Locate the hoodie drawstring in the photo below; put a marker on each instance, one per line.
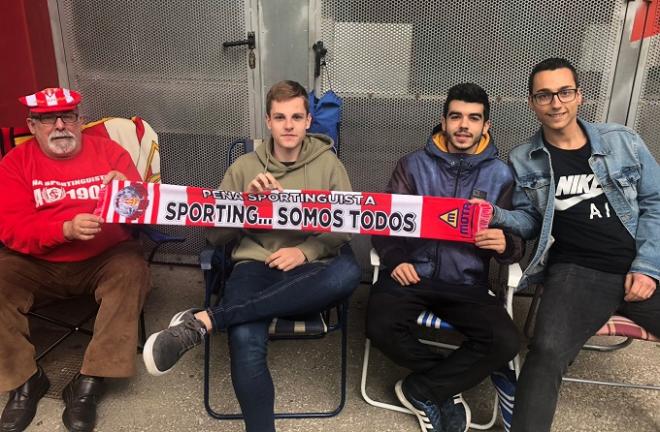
(267, 160)
(305, 180)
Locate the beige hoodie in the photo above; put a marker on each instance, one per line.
(317, 168)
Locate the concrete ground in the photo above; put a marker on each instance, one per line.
(305, 375)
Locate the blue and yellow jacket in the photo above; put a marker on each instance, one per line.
(433, 171)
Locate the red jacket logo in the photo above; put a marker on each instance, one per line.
(52, 194)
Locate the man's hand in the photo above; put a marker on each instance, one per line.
(113, 175)
(405, 274)
(484, 202)
(286, 259)
(263, 182)
(492, 239)
(83, 226)
(639, 287)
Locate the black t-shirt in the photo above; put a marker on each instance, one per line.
(587, 232)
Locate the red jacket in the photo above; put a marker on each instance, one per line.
(38, 194)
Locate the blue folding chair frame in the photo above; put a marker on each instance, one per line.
(216, 271)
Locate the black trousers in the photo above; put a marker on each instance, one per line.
(576, 302)
(492, 338)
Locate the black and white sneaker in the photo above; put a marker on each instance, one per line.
(452, 415)
(456, 414)
(426, 411)
(165, 348)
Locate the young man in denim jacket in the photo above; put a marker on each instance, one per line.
(591, 193)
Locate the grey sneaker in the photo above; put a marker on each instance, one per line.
(453, 415)
(165, 348)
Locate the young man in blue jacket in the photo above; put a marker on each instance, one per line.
(448, 278)
(590, 192)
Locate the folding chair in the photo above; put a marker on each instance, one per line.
(617, 326)
(139, 139)
(216, 267)
(427, 319)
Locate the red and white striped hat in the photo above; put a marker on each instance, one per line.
(51, 100)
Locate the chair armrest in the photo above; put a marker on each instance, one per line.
(375, 259)
(513, 279)
(158, 237)
(213, 266)
(206, 258)
(515, 274)
(375, 263)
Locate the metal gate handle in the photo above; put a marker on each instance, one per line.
(250, 42)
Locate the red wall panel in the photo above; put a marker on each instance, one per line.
(28, 59)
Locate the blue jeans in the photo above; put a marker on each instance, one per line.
(576, 302)
(254, 295)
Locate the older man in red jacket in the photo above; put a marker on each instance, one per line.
(55, 247)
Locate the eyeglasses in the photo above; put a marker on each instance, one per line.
(50, 119)
(564, 95)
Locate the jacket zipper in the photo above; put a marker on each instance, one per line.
(458, 176)
(437, 248)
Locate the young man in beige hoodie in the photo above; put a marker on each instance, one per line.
(277, 273)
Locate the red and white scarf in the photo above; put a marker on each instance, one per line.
(383, 214)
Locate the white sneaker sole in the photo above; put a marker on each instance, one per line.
(147, 351)
(468, 412)
(147, 356)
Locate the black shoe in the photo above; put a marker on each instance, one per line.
(22, 403)
(453, 415)
(165, 348)
(81, 397)
(426, 411)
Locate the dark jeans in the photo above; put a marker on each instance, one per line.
(576, 302)
(492, 339)
(254, 295)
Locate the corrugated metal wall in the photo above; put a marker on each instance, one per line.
(164, 61)
(392, 62)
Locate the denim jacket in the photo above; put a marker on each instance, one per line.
(628, 174)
